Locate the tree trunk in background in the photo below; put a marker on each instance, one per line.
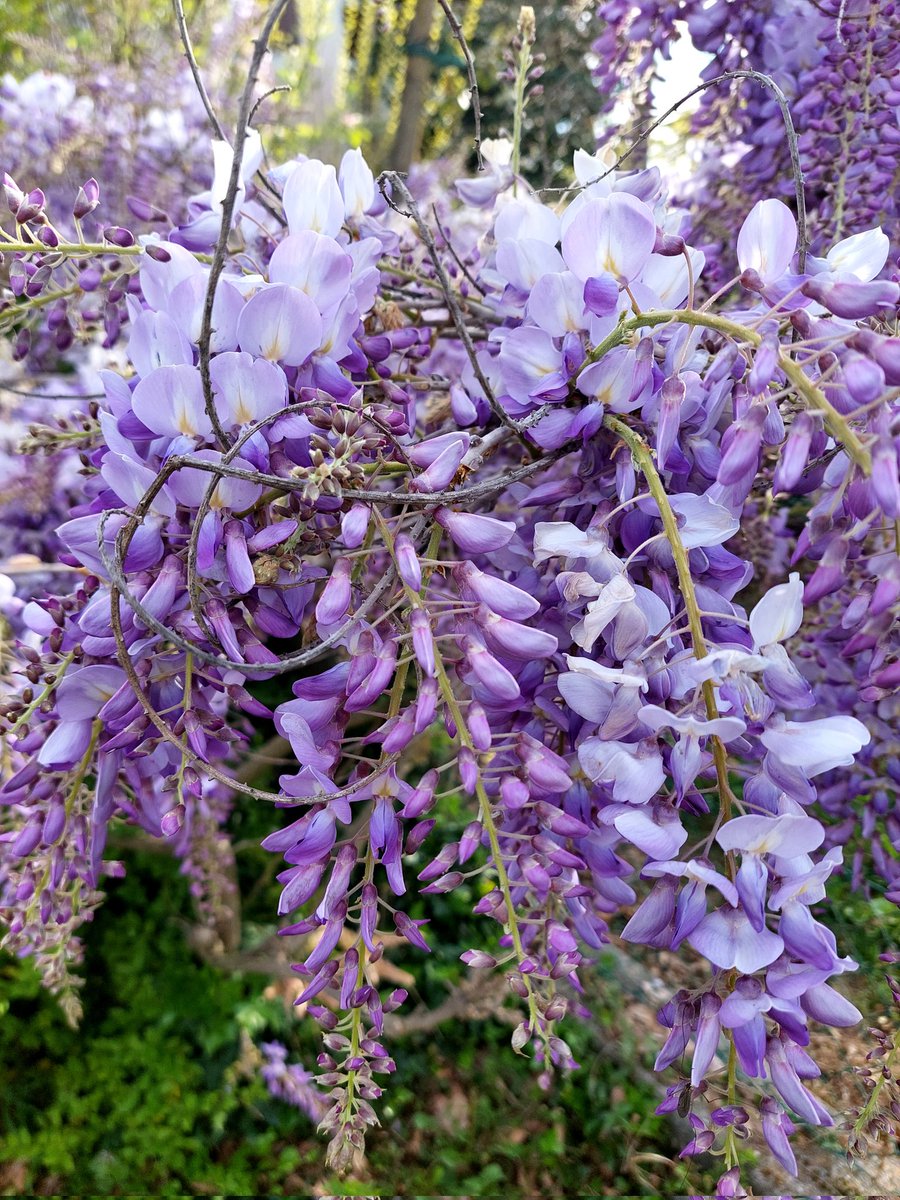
(289, 22)
(408, 138)
(327, 71)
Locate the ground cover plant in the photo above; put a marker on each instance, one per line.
(509, 549)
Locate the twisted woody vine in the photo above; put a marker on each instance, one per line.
(605, 513)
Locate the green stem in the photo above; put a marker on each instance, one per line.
(519, 111)
(45, 694)
(836, 424)
(643, 457)
(487, 819)
(484, 804)
(731, 1145)
(356, 1015)
(72, 249)
(96, 730)
(871, 1106)
(185, 705)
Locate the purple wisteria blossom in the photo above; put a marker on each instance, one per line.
(506, 512)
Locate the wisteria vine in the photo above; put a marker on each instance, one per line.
(502, 482)
(839, 79)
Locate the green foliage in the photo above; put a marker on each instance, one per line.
(156, 1092)
(865, 927)
(32, 33)
(560, 120)
(144, 1096)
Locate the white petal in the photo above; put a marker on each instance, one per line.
(861, 254)
(767, 240)
(817, 746)
(778, 615)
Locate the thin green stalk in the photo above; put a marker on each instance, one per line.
(643, 456)
(484, 804)
(835, 423)
(356, 1014)
(526, 32)
(78, 780)
(45, 694)
(870, 1108)
(72, 249)
(487, 819)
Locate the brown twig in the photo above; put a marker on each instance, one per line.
(4, 387)
(232, 452)
(474, 491)
(459, 262)
(457, 31)
(473, 999)
(201, 765)
(289, 662)
(411, 211)
(218, 261)
(114, 564)
(282, 87)
(793, 146)
(195, 70)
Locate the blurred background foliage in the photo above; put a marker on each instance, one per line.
(346, 63)
(158, 1091)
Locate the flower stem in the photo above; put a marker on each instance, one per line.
(73, 249)
(484, 803)
(643, 457)
(835, 423)
(45, 694)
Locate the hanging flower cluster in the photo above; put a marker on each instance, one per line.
(507, 480)
(839, 79)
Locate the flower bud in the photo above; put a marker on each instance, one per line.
(118, 236)
(492, 675)
(468, 770)
(31, 207)
(354, 524)
(470, 840)
(426, 704)
(334, 603)
(474, 533)
(421, 799)
(87, 199)
(464, 410)
(479, 959)
(521, 1036)
(445, 883)
(422, 640)
(418, 834)
(479, 726)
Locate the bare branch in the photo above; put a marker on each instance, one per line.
(282, 87)
(485, 487)
(4, 387)
(793, 146)
(288, 663)
(218, 262)
(395, 180)
(201, 765)
(473, 999)
(449, 244)
(195, 70)
(456, 29)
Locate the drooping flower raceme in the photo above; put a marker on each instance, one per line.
(525, 514)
